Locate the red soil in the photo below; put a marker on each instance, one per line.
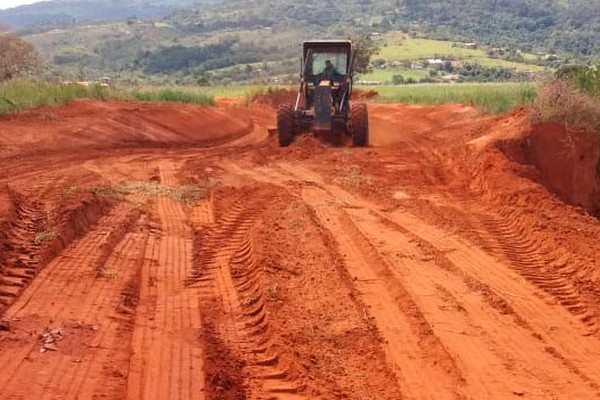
(568, 162)
(176, 252)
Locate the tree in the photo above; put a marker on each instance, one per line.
(364, 50)
(398, 79)
(17, 58)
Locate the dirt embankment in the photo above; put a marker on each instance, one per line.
(569, 163)
(88, 125)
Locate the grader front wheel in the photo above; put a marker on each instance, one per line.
(285, 124)
(359, 125)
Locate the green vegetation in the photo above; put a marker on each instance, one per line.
(174, 95)
(21, 95)
(386, 76)
(587, 79)
(489, 98)
(398, 46)
(494, 98)
(256, 41)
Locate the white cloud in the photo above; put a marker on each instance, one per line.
(15, 3)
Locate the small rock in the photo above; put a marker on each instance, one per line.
(4, 326)
(50, 347)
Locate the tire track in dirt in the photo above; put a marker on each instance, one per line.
(167, 360)
(89, 327)
(538, 264)
(410, 345)
(504, 234)
(471, 319)
(235, 311)
(23, 262)
(570, 345)
(407, 335)
(480, 286)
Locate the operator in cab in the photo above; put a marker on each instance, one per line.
(330, 72)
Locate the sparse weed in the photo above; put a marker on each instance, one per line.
(45, 236)
(353, 175)
(68, 192)
(254, 94)
(272, 292)
(187, 194)
(112, 192)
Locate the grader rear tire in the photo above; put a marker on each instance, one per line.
(359, 125)
(285, 124)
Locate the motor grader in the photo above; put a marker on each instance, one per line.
(324, 104)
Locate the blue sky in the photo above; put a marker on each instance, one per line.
(14, 3)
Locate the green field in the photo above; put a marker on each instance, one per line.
(386, 75)
(489, 98)
(397, 46)
(492, 98)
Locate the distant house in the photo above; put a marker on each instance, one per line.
(368, 83)
(451, 78)
(435, 61)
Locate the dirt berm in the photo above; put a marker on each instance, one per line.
(569, 163)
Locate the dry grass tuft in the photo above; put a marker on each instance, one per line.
(560, 102)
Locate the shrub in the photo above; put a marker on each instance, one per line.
(584, 78)
(588, 80)
(561, 102)
(398, 79)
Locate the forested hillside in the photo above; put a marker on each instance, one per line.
(568, 25)
(244, 39)
(69, 12)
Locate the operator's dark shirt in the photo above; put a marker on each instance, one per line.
(330, 72)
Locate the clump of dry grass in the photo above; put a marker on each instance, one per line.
(560, 102)
(45, 236)
(187, 194)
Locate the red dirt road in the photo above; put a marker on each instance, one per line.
(175, 252)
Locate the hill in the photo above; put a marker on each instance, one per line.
(63, 13)
(241, 40)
